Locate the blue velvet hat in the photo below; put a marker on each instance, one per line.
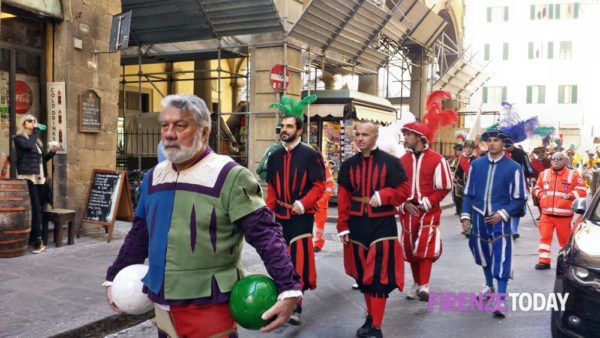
(497, 133)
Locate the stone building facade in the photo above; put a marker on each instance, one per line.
(68, 44)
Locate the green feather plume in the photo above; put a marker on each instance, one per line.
(291, 106)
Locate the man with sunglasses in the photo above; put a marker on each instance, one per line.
(556, 189)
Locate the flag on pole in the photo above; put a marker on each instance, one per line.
(475, 132)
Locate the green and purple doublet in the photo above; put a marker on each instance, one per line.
(190, 216)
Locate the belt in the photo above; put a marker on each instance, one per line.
(364, 200)
(285, 205)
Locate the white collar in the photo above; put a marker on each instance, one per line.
(294, 145)
(496, 160)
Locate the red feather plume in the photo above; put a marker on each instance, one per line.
(435, 117)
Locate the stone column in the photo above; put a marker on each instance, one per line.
(202, 82)
(418, 82)
(82, 69)
(368, 84)
(328, 79)
(261, 127)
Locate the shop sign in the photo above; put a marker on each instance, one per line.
(89, 112)
(23, 97)
(57, 114)
(50, 8)
(279, 78)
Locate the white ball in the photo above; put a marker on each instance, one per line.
(127, 290)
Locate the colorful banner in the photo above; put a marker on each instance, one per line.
(57, 114)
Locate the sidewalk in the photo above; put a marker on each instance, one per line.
(59, 292)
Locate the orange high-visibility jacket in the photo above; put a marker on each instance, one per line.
(557, 190)
(323, 202)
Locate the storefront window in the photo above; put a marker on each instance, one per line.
(4, 110)
(332, 145)
(22, 40)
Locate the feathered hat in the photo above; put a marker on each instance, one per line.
(511, 124)
(434, 118)
(292, 107)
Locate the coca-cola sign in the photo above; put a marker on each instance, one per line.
(23, 97)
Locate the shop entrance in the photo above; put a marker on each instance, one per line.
(21, 72)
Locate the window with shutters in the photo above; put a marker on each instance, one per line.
(497, 51)
(536, 94)
(554, 11)
(567, 94)
(565, 50)
(494, 94)
(497, 14)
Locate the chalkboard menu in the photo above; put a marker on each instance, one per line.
(89, 112)
(108, 199)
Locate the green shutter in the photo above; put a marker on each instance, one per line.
(489, 14)
(532, 12)
(550, 50)
(550, 12)
(506, 13)
(505, 51)
(574, 94)
(542, 99)
(561, 94)
(529, 93)
(530, 52)
(484, 94)
(557, 10)
(486, 52)
(576, 10)
(504, 93)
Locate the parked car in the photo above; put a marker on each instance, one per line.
(578, 273)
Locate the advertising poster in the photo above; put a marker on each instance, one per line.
(57, 114)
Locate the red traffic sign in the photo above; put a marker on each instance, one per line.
(277, 78)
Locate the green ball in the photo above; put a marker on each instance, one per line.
(250, 297)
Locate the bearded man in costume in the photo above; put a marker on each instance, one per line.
(370, 186)
(430, 179)
(195, 209)
(296, 182)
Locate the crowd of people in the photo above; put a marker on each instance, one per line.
(197, 206)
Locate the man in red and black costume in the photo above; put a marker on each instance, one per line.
(296, 181)
(370, 186)
(461, 173)
(430, 178)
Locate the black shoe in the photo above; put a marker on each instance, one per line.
(363, 331)
(317, 249)
(295, 318)
(499, 314)
(375, 332)
(515, 236)
(542, 266)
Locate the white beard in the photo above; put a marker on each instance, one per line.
(183, 153)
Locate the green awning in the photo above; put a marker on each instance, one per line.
(48, 8)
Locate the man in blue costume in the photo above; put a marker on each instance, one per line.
(495, 191)
(195, 209)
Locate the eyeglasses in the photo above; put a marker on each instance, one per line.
(556, 159)
(31, 121)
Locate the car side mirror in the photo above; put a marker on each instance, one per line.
(579, 206)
